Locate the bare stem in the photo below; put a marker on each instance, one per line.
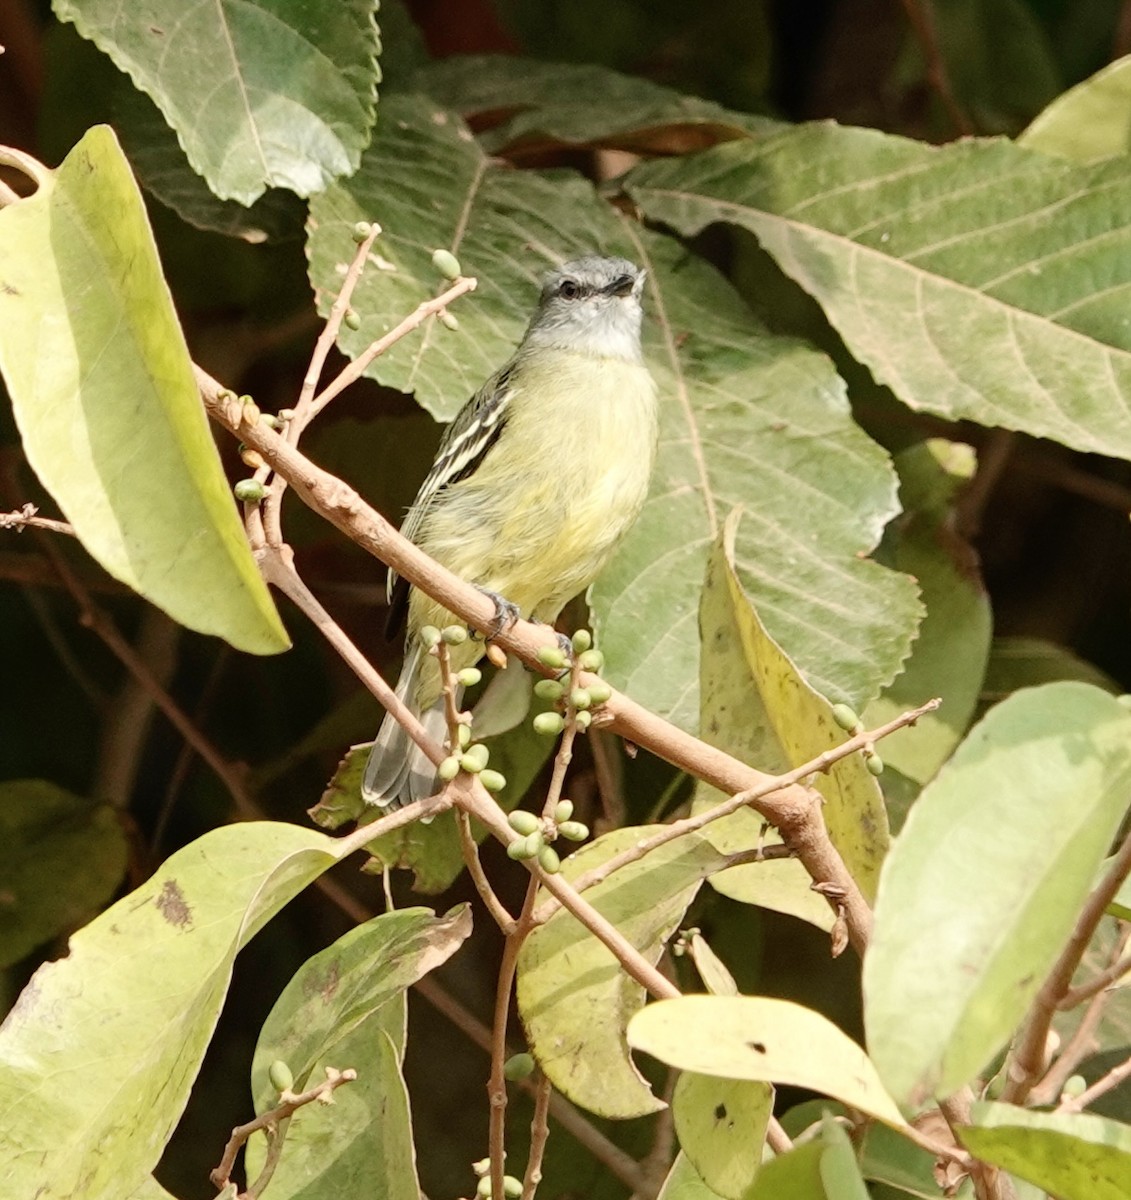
(25, 517)
(483, 886)
(539, 1136)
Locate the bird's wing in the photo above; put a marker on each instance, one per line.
(463, 447)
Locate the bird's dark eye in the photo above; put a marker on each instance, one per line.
(569, 289)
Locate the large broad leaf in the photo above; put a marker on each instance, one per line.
(982, 887)
(746, 418)
(721, 1126)
(752, 1037)
(579, 104)
(1088, 122)
(104, 396)
(49, 833)
(978, 280)
(344, 1008)
(1075, 1156)
(758, 707)
(254, 125)
(92, 1078)
(575, 999)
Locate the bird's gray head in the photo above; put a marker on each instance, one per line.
(590, 305)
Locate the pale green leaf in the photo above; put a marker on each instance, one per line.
(758, 707)
(49, 833)
(1089, 122)
(746, 418)
(214, 71)
(948, 658)
(888, 1157)
(795, 1175)
(716, 978)
(683, 1183)
(753, 1037)
(977, 280)
(1075, 1156)
(106, 403)
(1017, 662)
(982, 887)
(721, 1126)
(840, 1172)
(150, 1189)
(548, 103)
(574, 997)
(91, 1082)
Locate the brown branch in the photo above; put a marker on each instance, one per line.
(539, 1136)
(470, 852)
(1027, 1060)
(25, 517)
(791, 809)
(269, 1121)
(1104, 1084)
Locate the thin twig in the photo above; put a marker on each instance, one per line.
(289, 1104)
(25, 517)
(539, 1136)
(989, 1183)
(1103, 980)
(1104, 1084)
(470, 852)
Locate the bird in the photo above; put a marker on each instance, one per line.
(534, 484)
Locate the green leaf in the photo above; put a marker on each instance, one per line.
(253, 125)
(104, 396)
(977, 280)
(1017, 662)
(747, 418)
(575, 999)
(344, 1008)
(48, 833)
(1089, 122)
(758, 707)
(840, 1172)
(683, 1183)
(888, 1157)
(994, 861)
(752, 1037)
(91, 1082)
(721, 1126)
(579, 104)
(795, 1175)
(948, 659)
(1076, 1156)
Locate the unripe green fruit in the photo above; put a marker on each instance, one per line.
(477, 754)
(875, 764)
(448, 320)
(512, 1187)
(591, 660)
(454, 635)
(599, 692)
(483, 1187)
(580, 698)
(470, 764)
(845, 716)
(549, 723)
(517, 849)
(563, 810)
(250, 491)
(493, 781)
(351, 320)
(573, 831)
(549, 861)
(551, 656)
(463, 735)
(522, 821)
(361, 231)
(469, 676)
(549, 689)
(535, 843)
(448, 769)
(583, 719)
(446, 263)
(429, 636)
(1074, 1085)
(582, 640)
(280, 1075)
(519, 1066)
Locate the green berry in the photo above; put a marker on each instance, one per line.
(600, 692)
(591, 660)
(535, 843)
(549, 861)
(573, 831)
(845, 716)
(448, 320)
(429, 636)
(581, 641)
(1074, 1085)
(551, 656)
(479, 756)
(517, 849)
(549, 723)
(448, 769)
(493, 781)
(361, 231)
(483, 1187)
(519, 1066)
(549, 689)
(482, 1167)
(874, 763)
(250, 491)
(454, 635)
(522, 821)
(351, 320)
(280, 1075)
(583, 720)
(469, 676)
(469, 764)
(463, 735)
(271, 421)
(563, 810)
(512, 1187)
(580, 698)
(446, 263)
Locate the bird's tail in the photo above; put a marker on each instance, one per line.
(398, 771)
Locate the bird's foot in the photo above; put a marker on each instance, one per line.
(506, 614)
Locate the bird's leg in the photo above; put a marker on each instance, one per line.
(506, 613)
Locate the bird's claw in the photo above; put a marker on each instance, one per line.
(506, 614)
